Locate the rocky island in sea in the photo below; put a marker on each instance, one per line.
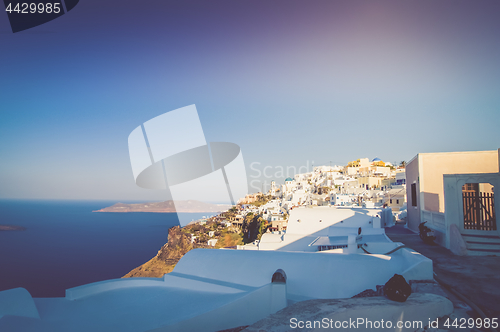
(12, 228)
(189, 206)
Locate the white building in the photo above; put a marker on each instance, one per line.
(400, 176)
(341, 199)
(307, 224)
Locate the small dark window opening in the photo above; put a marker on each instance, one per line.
(279, 276)
(413, 194)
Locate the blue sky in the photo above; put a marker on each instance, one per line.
(291, 82)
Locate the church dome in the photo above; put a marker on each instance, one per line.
(288, 179)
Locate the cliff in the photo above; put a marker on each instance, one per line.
(179, 243)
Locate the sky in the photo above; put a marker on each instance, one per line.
(293, 83)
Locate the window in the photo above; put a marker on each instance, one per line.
(397, 201)
(413, 194)
(391, 201)
(470, 187)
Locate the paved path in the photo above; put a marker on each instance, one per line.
(476, 277)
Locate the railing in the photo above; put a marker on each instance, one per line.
(434, 219)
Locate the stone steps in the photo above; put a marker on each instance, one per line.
(482, 244)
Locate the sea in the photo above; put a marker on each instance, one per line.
(66, 245)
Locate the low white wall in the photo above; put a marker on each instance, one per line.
(246, 310)
(107, 285)
(436, 222)
(17, 302)
(419, 268)
(310, 275)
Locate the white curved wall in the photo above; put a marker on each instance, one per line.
(310, 275)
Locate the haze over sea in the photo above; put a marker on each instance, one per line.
(65, 244)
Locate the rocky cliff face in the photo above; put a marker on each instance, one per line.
(179, 243)
(164, 262)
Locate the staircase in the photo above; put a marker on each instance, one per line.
(482, 244)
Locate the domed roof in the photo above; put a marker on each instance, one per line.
(288, 179)
(377, 159)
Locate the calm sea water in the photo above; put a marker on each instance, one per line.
(67, 245)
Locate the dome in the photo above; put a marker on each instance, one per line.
(377, 159)
(288, 179)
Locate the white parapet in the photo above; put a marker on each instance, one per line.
(17, 302)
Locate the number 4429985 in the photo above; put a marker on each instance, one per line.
(470, 323)
(31, 8)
